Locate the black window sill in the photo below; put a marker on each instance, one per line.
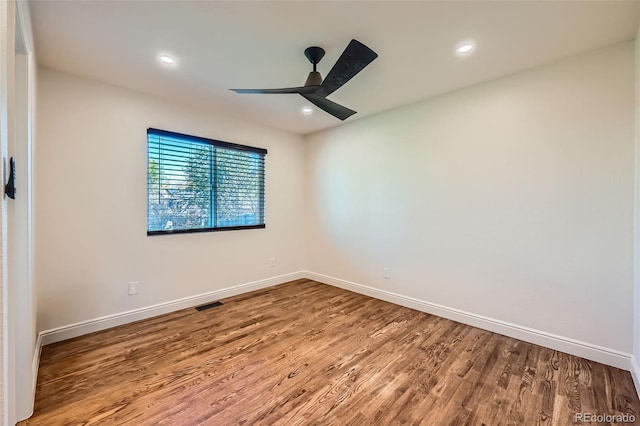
(193, 231)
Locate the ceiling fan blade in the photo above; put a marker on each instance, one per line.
(354, 58)
(332, 108)
(283, 91)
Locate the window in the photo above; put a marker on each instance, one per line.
(197, 185)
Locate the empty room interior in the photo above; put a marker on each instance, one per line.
(320, 212)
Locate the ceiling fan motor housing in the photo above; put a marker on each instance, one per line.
(314, 79)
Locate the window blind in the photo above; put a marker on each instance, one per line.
(196, 184)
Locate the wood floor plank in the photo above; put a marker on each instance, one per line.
(305, 353)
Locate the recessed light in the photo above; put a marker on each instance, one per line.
(307, 110)
(166, 59)
(465, 48)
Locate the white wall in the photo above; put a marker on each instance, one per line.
(511, 200)
(91, 205)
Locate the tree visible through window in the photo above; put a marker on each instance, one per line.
(196, 184)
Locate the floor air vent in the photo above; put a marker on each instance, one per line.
(208, 306)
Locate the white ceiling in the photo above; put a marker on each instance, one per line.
(220, 45)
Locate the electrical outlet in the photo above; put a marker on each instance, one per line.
(385, 273)
(133, 288)
(272, 262)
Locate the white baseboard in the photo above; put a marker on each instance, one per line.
(635, 374)
(85, 327)
(583, 349)
(564, 344)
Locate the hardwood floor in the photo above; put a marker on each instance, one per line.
(308, 353)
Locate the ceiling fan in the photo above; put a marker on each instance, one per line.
(353, 60)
